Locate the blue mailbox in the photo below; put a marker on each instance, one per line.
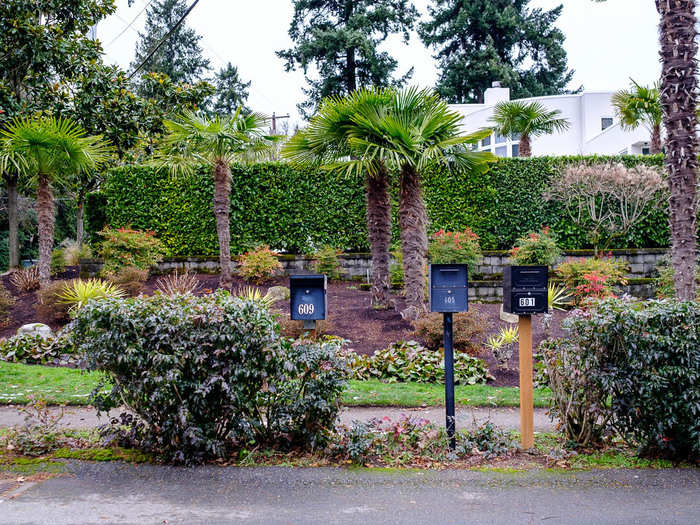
(525, 290)
(307, 296)
(449, 288)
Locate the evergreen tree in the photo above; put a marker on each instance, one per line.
(231, 91)
(180, 57)
(481, 41)
(341, 38)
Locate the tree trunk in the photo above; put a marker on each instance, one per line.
(678, 91)
(655, 146)
(414, 241)
(222, 203)
(13, 220)
(350, 63)
(45, 222)
(524, 149)
(80, 221)
(379, 228)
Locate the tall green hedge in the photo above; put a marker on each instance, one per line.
(295, 209)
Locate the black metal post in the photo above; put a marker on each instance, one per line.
(449, 381)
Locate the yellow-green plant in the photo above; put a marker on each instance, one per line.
(251, 293)
(558, 297)
(502, 345)
(78, 292)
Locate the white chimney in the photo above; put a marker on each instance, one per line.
(496, 94)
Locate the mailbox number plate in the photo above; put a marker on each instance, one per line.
(305, 309)
(525, 302)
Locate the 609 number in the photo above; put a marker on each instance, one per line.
(305, 309)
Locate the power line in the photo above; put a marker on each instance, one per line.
(130, 24)
(164, 39)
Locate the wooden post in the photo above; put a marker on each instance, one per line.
(527, 416)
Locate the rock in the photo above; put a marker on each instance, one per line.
(35, 329)
(278, 293)
(508, 318)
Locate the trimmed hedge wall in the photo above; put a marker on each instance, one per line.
(294, 209)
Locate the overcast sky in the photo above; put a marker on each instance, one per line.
(607, 44)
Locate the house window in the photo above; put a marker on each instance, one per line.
(500, 138)
(516, 150)
(502, 151)
(645, 150)
(486, 141)
(605, 123)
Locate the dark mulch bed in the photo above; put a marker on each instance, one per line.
(350, 317)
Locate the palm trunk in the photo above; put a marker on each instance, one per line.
(13, 220)
(414, 241)
(655, 146)
(379, 229)
(222, 203)
(524, 149)
(80, 221)
(45, 222)
(678, 91)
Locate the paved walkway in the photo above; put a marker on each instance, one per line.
(80, 417)
(123, 494)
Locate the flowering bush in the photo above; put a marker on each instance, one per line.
(536, 248)
(409, 361)
(259, 265)
(596, 286)
(593, 278)
(125, 247)
(455, 247)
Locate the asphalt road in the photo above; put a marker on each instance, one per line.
(118, 493)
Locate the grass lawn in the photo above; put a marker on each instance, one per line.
(65, 385)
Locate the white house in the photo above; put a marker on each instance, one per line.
(594, 127)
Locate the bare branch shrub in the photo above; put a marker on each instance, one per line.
(608, 199)
(178, 283)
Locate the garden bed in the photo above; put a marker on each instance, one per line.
(350, 317)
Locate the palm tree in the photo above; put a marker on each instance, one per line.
(325, 142)
(679, 83)
(640, 105)
(194, 139)
(527, 119)
(404, 132)
(49, 149)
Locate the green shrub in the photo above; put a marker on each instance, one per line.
(293, 209)
(664, 283)
(455, 247)
(326, 261)
(209, 375)
(34, 349)
(577, 401)
(468, 330)
(396, 269)
(58, 263)
(645, 356)
(124, 247)
(6, 303)
(409, 361)
(259, 265)
(536, 248)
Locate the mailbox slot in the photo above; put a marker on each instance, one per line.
(448, 288)
(525, 290)
(307, 297)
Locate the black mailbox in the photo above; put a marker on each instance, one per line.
(525, 290)
(307, 296)
(448, 288)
